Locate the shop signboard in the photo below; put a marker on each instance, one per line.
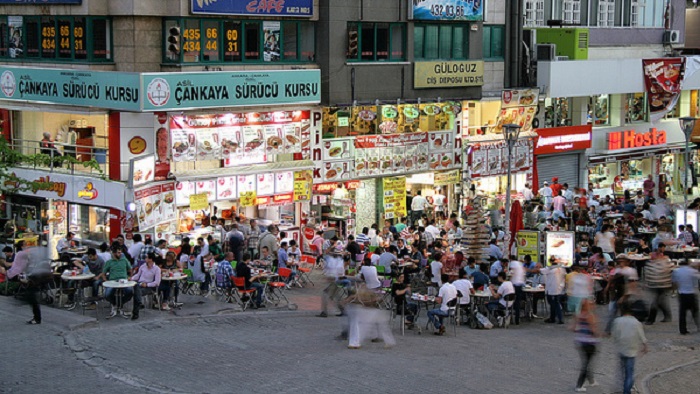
(629, 139)
(142, 170)
(85, 88)
(178, 91)
(447, 10)
(662, 81)
(257, 8)
(72, 188)
(528, 243)
(302, 185)
(207, 187)
(284, 182)
(246, 184)
(491, 158)
(448, 74)
(265, 184)
(559, 245)
(199, 201)
(394, 197)
(154, 205)
(447, 178)
(563, 139)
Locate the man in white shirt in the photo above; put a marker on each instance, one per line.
(135, 249)
(505, 287)
(528, 195)
(433, 230)
(418, 205)
(547, 194)
(464, 286)
(517, 277)
(369, 273)
(439, 203)
(436, 272)
(658, 208)
(555, 281)
(567, 193)
(447, 294)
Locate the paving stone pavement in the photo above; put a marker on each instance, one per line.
(211, 347)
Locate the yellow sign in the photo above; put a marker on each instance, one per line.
(302, 185)
(394, 197)
(446, 178)
(448, 74)
(248, 199)
(199, 201)
(528, 243)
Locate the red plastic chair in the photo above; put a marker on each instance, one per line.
(241, 291)
(306, 265)
(278, 288)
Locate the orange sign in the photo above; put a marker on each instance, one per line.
(137, 145)
(89, 193)
(632, 139)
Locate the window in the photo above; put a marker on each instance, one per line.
(606, 13)
(375, 42)
(444, 41)
(190, 40)
(534, 13)
(636, 108)
(51, 38)
(572, 11)
(599, 114)
(494, 42)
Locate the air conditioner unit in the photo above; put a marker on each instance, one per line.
(546, 52)
(672, 37)
(562, 58)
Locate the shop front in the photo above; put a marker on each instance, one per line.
(623, 157)
(61, 203)
(560, 152)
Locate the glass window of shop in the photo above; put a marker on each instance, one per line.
(50, 38)
(89, 224)
(636, 108)
(631, 172)
(557, 112)
(599, 110)
(444, 41)
(370, 42)
(193, 40)
(88, 131)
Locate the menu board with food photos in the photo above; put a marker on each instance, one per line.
(388, 119)
(207, 187)
(183, 190)
(246, 184)
(226, 188)
(208, 146)
(517, 107)
(183, 144)
(284, 182)
(265, 184)
(335, 171)
(338, 149)
(154, 205)
(491, 158)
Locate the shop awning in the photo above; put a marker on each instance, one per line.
(298, 165)
(605, 156)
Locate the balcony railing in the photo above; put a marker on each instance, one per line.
(58, 157)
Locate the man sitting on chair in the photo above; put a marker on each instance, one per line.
(447, 294)
(147, 282)
(505, 288)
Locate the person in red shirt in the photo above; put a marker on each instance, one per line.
(583, 200)
(556, 186)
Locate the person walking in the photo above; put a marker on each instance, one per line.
(685, 279)
(630, 341)
(19, 267)
(657, 275)
(585, 325)
(555, 281)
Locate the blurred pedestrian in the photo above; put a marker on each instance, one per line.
(685, 278)
(628, 336)
(585, 325)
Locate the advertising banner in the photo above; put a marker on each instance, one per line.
(114, 90)
(662, 81)
(560, 247)
(302, 185)
(199, 201)
(517, 107)
(448, 74)
(563, 139)
(295, 8)
(447, 10)
(491, 158)
(394, 197)
(447, 178)
(155, 205)
(248, 199)
(177, 91)
(528, 243)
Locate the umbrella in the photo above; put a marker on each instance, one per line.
(516, 221)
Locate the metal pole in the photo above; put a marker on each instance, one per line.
(506, 241)
(685, 177)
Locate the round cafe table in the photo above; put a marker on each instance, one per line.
(75, 279)
(529, 296)
(173, 279)
(119, 286)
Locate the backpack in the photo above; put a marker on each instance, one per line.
(482, 322)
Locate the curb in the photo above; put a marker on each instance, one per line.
(647, 379)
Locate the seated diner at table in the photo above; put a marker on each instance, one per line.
(446, 295)
(117, 268)
(404, 306)
(147, 282)
(251, 282)
(505, 287)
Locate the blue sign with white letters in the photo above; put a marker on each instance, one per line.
(303, 8)
(447, 10)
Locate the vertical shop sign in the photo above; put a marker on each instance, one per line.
(662, 81)
(528, 243)
(394, 197)
(302, 185)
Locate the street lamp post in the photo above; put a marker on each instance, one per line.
(687, 124)
(510, 136)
